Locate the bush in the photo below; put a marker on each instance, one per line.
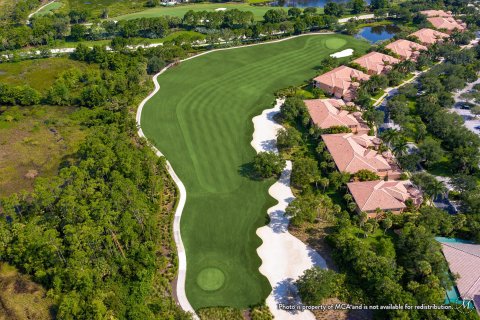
(261, 313)
(366, 175)
(220, 313)
(317, 284)
(268, 164)
(154, 65)
(288, 138)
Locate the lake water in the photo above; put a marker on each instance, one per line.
(378, 33)
(304, 3)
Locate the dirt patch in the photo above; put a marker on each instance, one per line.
(313, 234)
(21, 298)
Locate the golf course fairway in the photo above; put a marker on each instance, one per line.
(201, 120)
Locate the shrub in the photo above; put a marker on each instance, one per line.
(317, 284)
(268, 164)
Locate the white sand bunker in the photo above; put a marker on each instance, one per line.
(221, 9)
(284, 257)
(343, 53)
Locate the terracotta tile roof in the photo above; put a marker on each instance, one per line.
(386, 195)
(341, 81)
(429, 36)
(376, 62)
(326, 113)
(448, 23)
(464, 260)
(436, 13)
(406, 49)
(351, 154)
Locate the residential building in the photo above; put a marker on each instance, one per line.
(384, 195)
(376, 62)
(429, 36)
(327, 113)
(464, 260)
(352, 153)
(341, 82)
(447, 23)
(436, 13)
(407, 50)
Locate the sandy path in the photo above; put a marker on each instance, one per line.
(182, 258)
(284, 257)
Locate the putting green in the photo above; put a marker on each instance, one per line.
(335, 43)
(201, 119)
(210, 279)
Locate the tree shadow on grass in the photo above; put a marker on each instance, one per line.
(246, 170)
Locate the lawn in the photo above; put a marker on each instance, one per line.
(49, 8)
(201, 119)
(95, 8)
(180, 10)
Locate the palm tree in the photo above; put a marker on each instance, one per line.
(390, 136)
(434, 189)
(406, 66)
(401, 147)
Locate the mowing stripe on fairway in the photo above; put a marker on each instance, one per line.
(201, 120)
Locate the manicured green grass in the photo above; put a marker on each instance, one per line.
(96, 7)
(201, 119)
(47, 9)
(180, 10)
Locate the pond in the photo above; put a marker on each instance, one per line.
(305, 3)
(378, 33)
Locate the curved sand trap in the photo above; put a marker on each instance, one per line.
(284, 257)
(343, 53)
(221, 9)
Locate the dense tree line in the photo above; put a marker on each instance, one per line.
(226, 25)
(98, 236)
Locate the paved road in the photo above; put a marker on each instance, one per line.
(471, 122)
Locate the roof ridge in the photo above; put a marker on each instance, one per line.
(469, 253)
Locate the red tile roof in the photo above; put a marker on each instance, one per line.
(385, 195)
(464, 260)
(406, 49)
(327, 113)
(341, 81)
(376, 62)
(436, 13)
(351, 152)
(429, 36)
(448, 23)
